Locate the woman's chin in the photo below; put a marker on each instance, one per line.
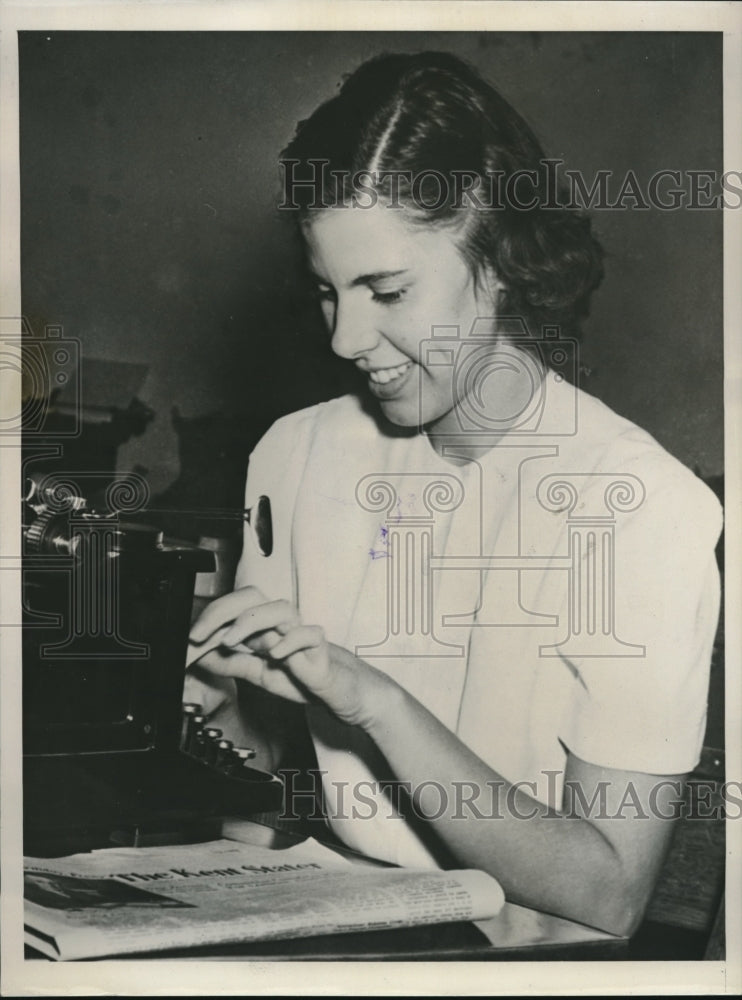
(396, 412)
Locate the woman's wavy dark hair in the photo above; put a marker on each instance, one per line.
(429, 116)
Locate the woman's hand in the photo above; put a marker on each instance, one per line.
(266, 643)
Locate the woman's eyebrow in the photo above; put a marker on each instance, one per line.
(366, 279)
(362, 279)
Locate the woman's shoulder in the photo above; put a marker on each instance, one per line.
(297, 442)
(609, 444)
(300, 429)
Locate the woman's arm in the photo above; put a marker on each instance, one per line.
(596, 863)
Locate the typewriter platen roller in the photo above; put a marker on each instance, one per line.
(109, 755)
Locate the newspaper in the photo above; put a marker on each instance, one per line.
(124, 901)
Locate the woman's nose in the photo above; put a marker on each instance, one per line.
(353, 334)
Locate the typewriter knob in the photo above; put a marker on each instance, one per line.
(210, 747)
(224, 754)
(47, 535)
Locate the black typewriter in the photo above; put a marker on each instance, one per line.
(111, 756)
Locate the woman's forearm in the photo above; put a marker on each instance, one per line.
(592, 868)
(559, 864)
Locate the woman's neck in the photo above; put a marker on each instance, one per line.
(490, 410)
(460, 448)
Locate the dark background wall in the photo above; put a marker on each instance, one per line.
(150, 230)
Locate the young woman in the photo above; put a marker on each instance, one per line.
(495, 597)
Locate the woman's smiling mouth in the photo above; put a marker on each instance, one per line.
(385, 383)
(380, 376)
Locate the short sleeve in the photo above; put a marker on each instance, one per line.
(646, 711)
(275, 471)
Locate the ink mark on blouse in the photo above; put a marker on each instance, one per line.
(404, 505)
(383, 552)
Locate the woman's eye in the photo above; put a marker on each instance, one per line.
(325, 294)
(388, 298)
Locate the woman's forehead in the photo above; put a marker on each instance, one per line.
(381, 237)
(356, 221)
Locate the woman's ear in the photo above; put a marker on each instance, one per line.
(489, 291)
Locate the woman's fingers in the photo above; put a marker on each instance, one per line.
(259, 626)
(305, 653)
(289, 659)
(209, 689)
(244, 665)
(279, 615)
(224, 662)
(243, 635)
(196, 650)
(303, 637)
(224, 610)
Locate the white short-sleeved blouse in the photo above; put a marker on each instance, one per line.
(558, 593)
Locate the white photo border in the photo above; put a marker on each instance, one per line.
(186, 978)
